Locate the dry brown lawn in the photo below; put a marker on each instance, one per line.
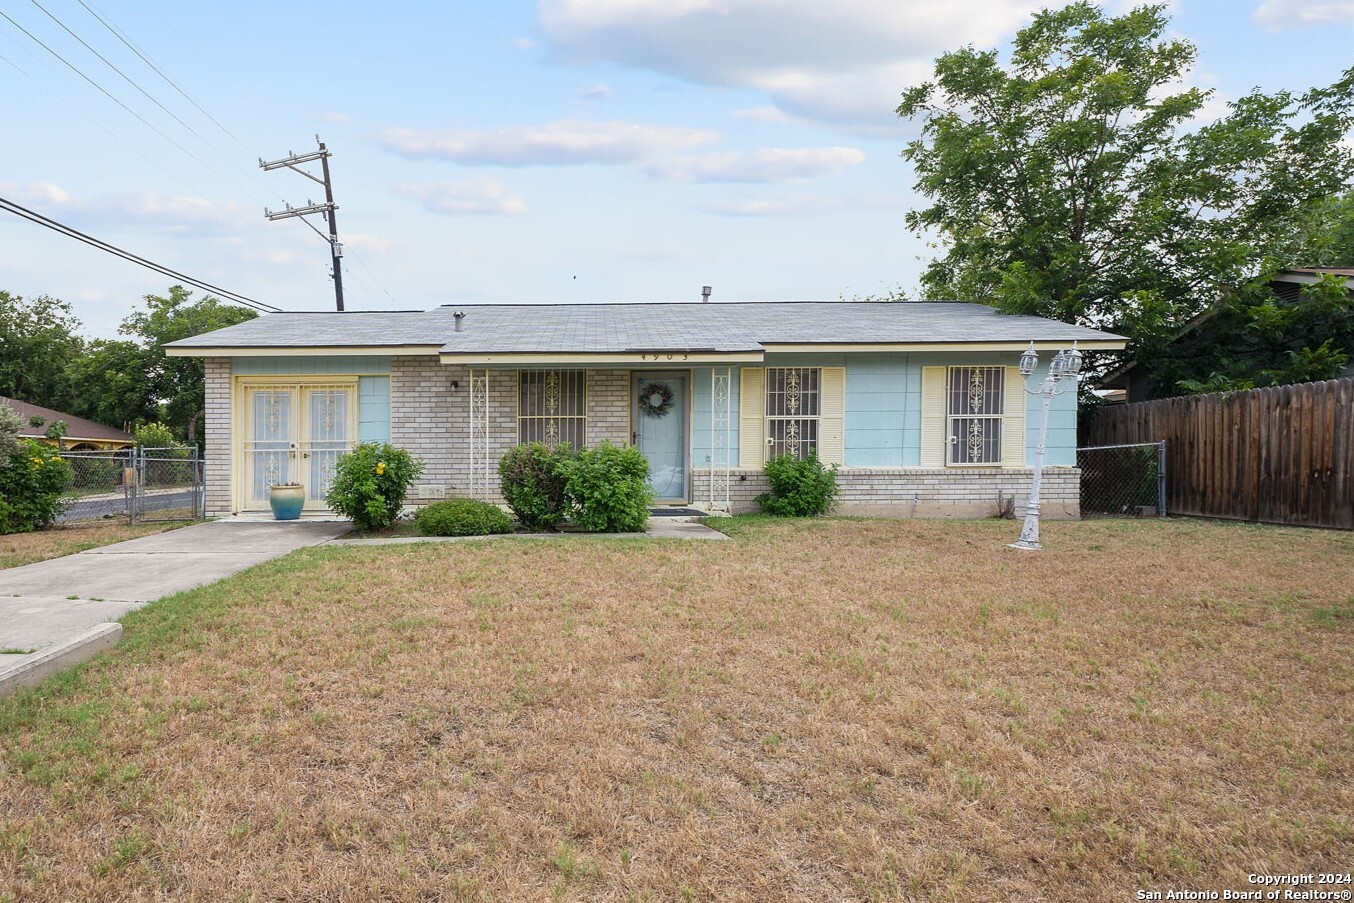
(832, 710)
(53, 542)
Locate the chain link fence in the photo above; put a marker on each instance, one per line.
(139, 484)
(1123, 480)
(99, 488)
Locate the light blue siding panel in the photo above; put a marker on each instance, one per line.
(310, 366)
(373, 408)
(702, 378)
(878, 398)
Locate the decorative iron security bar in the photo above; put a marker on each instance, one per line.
(552, 407)
(793, 406)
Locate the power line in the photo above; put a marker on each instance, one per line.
(158, 71)
(100, 88)
(60, 228)
(127, 78)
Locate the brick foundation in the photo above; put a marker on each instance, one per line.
(920, 492)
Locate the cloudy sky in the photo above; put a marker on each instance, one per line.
(568, 150)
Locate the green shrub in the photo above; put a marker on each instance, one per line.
(533, 484)
(462, 517)
(33, 477)
(800, 487)
(370, 483)
(155, 435)
(608, 486)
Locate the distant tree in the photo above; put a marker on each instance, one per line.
(57, 431)
(178, 383)
(1071, 183)
(111, 384)
(37, 338)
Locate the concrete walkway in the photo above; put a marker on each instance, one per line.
(60, 611)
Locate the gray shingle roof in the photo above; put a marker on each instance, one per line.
(617, 328)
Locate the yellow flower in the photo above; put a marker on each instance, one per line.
(37, 462)
(380, 467)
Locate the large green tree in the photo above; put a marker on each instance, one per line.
(111, 385)
(38, 336)
(178, 383)
(1074, 182)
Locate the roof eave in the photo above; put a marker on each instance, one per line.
(296, 350)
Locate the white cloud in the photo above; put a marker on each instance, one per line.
(523, 43)
(176, 214)
(564, 143)
(1278, 14)
(35, 193)
(762, 114)
(766, 165)
(486, 195)
(804, 205)
(844, 62)
(596, 93)
(341, 118)
(361, 241)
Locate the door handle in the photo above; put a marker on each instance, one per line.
(305, 454)
(634, 438)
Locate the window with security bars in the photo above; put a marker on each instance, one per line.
(551, 407)
(974, 408)
(793, 409)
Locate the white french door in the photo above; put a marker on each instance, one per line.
(294, 434)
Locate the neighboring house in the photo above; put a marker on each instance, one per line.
(920, 404)
(81, 434)
(1133, 382)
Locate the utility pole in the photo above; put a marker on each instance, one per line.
(292, 161)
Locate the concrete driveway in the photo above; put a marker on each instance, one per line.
(59, 612)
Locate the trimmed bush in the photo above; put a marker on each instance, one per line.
(800, 487)
(609, 488)
(462, 517)
(33, 477)
(533, 485)
(370, 483)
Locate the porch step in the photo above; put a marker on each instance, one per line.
(677, 512)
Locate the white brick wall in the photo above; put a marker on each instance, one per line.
(219, 442)
(918, 492)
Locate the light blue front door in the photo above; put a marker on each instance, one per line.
(660, 423)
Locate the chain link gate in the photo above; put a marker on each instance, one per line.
(1123, 480)
(165, 484)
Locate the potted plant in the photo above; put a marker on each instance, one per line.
(286, 500)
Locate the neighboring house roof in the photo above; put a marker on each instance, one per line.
(1287, 284)
(77, 428)
(506, 330)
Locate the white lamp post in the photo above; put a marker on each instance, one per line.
(1066, 365)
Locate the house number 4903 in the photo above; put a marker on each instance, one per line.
(664, 357)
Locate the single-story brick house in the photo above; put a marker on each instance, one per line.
(920, 404)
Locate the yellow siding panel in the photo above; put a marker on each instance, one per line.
(832, 419)
(933, 438)
(752, 417)
(1013, 420)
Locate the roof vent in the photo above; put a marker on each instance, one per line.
(460, 320)
(705, 293)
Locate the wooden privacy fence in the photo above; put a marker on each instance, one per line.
(1279, 455)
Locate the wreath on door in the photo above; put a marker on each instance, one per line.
(655, 400)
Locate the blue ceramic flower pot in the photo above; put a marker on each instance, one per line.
(287, 500)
